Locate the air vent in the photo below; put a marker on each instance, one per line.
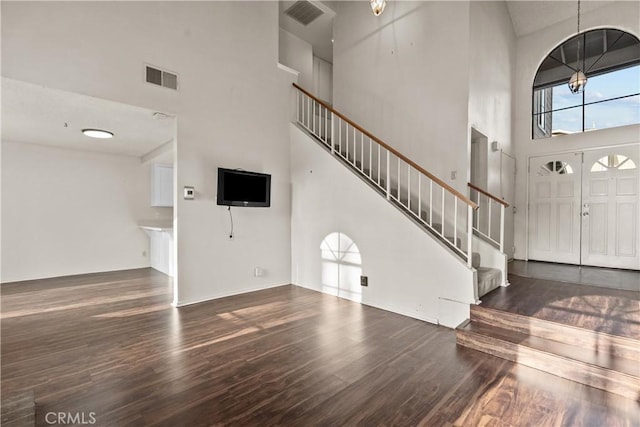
(304, 12)
(162, 78)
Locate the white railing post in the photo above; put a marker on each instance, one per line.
(442, 213)
(388, 176)
(469, 235)
(502, 228)
(455, 222)
(333, 134)
(409, 186)
(489, 201)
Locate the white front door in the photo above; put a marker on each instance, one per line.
(554, 208)
(610, 199)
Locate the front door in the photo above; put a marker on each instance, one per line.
(610, 229)
(554, 208)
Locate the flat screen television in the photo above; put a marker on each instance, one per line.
(242, 188)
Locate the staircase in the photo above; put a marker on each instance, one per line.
(443, 212)
(597, 359)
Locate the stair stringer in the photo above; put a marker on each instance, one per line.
(410, 272)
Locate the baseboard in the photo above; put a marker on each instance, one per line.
(229, 294)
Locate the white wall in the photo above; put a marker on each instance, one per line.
(297, 54)
(322, 79)
(491, 67)
(72, 212)
(404, 76)
(409, 272)
(531, 51)
(232, 108)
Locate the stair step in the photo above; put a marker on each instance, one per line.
(488, 279)
(586, 339)
(596, 369)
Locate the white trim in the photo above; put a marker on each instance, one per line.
(230, 294)
(288, 69)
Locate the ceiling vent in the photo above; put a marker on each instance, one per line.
(304, 12)
(159, 77)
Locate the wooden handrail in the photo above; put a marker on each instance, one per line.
(391, 149)
(489, 195)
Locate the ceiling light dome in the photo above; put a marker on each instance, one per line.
(377, 6)
(98, 133)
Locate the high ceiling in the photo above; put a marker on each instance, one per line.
(318, 33)
(531, 16)
(38, 115)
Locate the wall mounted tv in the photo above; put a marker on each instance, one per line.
(242, 188)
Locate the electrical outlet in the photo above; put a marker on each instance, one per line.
(454, 174)
(364, 281)
(258, 272)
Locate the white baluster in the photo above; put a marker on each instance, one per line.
(333, 133)
(442, 210)
(430, 202)
(370, 159)
(398, 192)
(455, 221)
(502, 228)
(409, 186)
(419, 195)
(355, 150)
(469, 235)
(489, 221)
(378, 164)
(388, 176)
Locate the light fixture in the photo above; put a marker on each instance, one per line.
(578, 80)
(377, 6)
(98, 133)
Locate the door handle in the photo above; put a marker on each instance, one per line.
(585, 213)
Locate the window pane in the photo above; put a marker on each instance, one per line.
(611, 85)
(562, 96)
(619, 112)
(567, 121)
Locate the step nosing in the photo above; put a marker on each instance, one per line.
(552, 322)
(552, 354)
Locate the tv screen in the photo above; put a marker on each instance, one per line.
(241, 188)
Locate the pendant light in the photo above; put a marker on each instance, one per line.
(578, 80)
(377, 6)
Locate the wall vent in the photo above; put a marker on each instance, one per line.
(304, 12)
(160, 77)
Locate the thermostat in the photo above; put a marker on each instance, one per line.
(189, 193)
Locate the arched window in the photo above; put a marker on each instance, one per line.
(613, 161)
(611, 61)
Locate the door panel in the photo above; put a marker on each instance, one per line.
(554, 208)
(610, 207)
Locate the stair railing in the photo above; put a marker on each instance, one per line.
(429, 200)
(488, 221)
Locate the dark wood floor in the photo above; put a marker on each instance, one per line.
(111, 344)
(613, 311)
(578, 274)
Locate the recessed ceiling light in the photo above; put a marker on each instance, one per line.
(97, 133)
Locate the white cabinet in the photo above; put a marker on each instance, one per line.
(161, 185)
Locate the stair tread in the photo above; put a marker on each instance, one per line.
(556, 348)
(621, 346)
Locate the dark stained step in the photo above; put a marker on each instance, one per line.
(587, 339)
(596, 369)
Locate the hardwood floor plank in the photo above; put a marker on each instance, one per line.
(110, 343)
